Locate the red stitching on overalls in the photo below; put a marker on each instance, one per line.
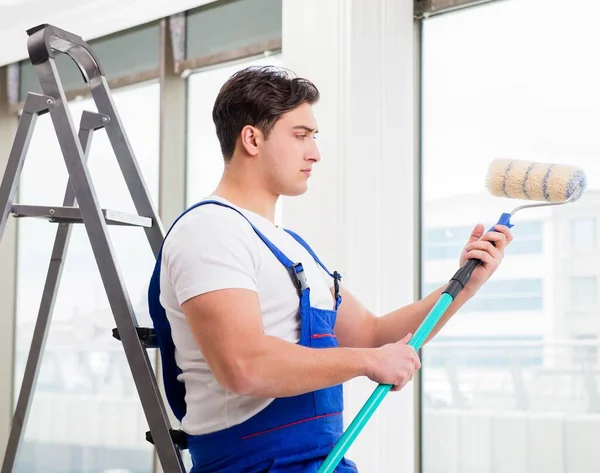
(323, 335)
(290, 424)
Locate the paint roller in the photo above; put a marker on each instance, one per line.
(546, 184)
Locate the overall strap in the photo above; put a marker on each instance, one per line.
(299, 239)
(296, 269)
(335, 275)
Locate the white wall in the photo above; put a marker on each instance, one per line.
(359, 212)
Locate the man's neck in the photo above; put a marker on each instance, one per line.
(246, 195)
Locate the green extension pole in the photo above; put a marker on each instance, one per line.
(456, 284)
(380, 392)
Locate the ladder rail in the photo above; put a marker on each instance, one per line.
(114, 283)
(43, 41)
(40, 333)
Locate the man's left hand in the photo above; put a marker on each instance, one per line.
(480, 247)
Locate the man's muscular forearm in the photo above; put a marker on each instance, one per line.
(276, 368)
(395, 325)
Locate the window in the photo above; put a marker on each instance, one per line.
(502, 296)
(585, 352)
(222, 27)
(447, 243)
(205, 161)
(85, 416)
(584, 291)
(583, 233)
(484, 351)
(531, 94)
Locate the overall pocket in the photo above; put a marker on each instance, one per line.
(322, 322)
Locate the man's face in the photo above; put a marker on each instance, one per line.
(288, 155)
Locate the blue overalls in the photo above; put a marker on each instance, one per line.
(292, 434)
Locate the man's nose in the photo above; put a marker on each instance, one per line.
(313, 154)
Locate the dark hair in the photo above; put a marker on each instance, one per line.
(257, 96)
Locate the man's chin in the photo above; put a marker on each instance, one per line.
(295, 192)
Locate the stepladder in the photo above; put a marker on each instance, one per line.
(81, 205)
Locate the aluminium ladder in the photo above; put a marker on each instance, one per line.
(43, 41)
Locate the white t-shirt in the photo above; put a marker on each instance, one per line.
(213, 247)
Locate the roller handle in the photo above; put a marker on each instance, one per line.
(44, 39)
(456, 284)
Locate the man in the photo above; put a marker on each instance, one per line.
(255, 340)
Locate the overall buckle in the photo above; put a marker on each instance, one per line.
(336, 284)
(299, 277)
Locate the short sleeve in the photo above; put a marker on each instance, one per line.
(208, 249)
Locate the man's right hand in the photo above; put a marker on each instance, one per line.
(395, 364)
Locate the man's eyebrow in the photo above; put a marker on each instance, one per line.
(307, 128)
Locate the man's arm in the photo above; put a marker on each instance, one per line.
(356, 326)
(227, 326)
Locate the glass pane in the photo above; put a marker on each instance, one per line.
(531, 230)
(511, 382)
(524, 247)
(584, 291)
(510, 304)
(441, 252)
(86, 416)
(223, 26)
(446, 235)
(205, 161)
(583, 233)
(499, 287)
(498, 295)
(587, 349)
(446, 243)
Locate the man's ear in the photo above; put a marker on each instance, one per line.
(250, 138)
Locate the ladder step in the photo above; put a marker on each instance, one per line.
(69, 215)
(145, 334)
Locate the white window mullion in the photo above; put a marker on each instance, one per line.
(360, 210)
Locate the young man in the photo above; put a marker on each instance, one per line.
(255, 341)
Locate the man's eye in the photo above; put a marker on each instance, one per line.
(301, 136)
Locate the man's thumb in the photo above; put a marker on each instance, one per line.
(406, 338)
